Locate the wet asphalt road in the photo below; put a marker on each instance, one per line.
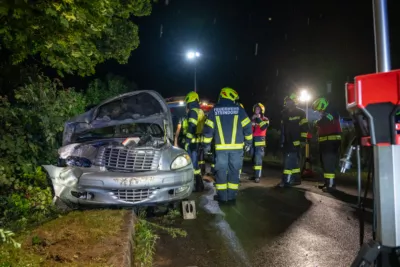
(267, 227)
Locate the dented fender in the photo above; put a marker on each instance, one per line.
(62, 177)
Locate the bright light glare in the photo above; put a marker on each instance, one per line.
(204, 103)
(181, 103)
(304, 96)
(192, 55)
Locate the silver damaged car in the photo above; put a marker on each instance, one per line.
(120, 153)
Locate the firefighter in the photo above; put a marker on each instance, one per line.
(294, 130)
(260, 124)
(329, 139)
(195, 120)
(230, 127)
(180, 133)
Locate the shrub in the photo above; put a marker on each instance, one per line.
(31, 128)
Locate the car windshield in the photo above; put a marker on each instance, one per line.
(120, 131)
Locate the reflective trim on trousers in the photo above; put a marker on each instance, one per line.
(233, 186)
(221, 186)
(198, 171)
(329, 175)
(294, 171)
(287, 172)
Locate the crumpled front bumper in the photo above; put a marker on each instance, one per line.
(88, 186)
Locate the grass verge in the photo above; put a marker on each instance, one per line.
(146, 236)
(80, 238)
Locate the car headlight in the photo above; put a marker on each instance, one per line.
(78, 162)
(180, 162)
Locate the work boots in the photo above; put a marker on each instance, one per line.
(296, 179)
(286, 181)
(199, 185)
(329, 185)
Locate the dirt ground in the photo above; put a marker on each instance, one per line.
(80, 238)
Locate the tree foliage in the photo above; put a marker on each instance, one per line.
(113, 85)
(30, 130)
(71, 36)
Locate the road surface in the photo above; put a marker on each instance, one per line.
(267, 227)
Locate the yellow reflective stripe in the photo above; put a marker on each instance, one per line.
(249, 137)
(263, 123)
(287, 171)
(197, 171)
(296, 143)
(221, 134)
(329, 175)
(330, 138)
(221, 186)
(257, 167)
(207, 140)
(303, 121)
(304, 135)
(229, 146)
(210, 123)
(186, 147)
(195, 140)
(189, 135)
(260, 143)
(245, 122)
(234, 129)
(202, 162)
(194, 121)
(240, 171)
(294, 118)
(233, 186)
(295, 171)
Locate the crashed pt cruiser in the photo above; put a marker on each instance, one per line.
(120, 153)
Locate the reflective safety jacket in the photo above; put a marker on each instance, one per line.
(196, 119)
(259, 127)
(329, 128)
(294, 128)
(229, 126)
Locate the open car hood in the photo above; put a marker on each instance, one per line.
(144, 106)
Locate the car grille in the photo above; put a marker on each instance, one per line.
(129, 160)
(133, 195)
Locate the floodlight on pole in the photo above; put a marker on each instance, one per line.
(193, 55)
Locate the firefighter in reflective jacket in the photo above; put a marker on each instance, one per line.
(259, 125)
(294, 130)
(329, 139)
(180, 134)
(230, 127)
(195, 120)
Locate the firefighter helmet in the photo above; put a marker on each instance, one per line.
(261, 106)
(191, 97)
(292, 97)
(229, 93)
(320, 104)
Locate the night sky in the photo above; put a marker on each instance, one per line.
(301, 43)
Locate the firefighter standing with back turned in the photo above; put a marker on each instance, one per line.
(230, 127)
(259, 124)
(294, 132)
(195, 120)
(329, 139)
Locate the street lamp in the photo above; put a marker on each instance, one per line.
(305, 97)
(194, 55)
